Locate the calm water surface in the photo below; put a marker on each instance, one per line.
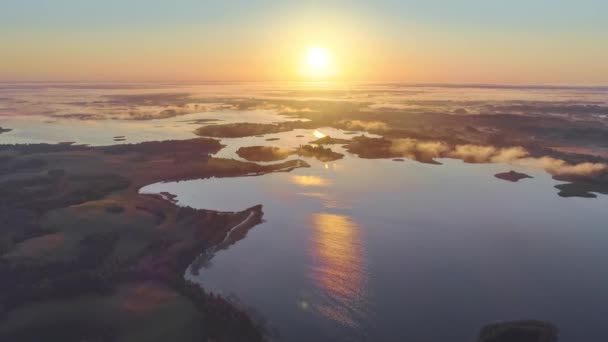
(402, 251)
(371, 250)
(33, 129)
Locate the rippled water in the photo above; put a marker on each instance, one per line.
(392, 251)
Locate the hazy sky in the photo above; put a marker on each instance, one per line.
(468, 41)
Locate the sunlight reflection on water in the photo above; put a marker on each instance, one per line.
(387, 251)
(338, 268)
(309, 181)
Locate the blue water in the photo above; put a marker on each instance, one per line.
(380, 250)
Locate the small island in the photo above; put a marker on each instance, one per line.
(585, 187)
(319, 152)
(240, 130)
(330, 141)
(4, 130)
(519, 331)
(264, 153)
(272, 153)
(201, 121)
(512, 176)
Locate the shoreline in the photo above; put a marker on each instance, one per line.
(146, 241)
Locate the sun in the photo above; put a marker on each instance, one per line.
(317, 58)
(318, 63)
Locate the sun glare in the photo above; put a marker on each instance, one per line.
(318, 58)
(318, 63)
(318, 134)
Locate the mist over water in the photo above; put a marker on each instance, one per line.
(268, 171)
(370, 249)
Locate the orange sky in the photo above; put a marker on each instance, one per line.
(379, 41)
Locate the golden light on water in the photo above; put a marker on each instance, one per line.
(328, 201)
(309, 181)
(339, 269)
(318, 134)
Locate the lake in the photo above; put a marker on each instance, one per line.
(361, 249)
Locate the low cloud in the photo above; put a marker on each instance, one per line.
(558, 167)
(359, 125)
(429, 150)
(487, 154)
(419, 150)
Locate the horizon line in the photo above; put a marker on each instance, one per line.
(328, 82)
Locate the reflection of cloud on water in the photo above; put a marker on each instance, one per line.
(338, 267)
